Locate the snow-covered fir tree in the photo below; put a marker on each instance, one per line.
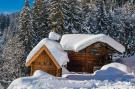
(26, 33)
(40, 22)
(123, 21)
(72, 16)
(104, 23)
(89, 19)
(13, 65)
(17, 47)
(56, 17)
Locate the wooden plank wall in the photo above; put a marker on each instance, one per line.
(44, 63)
(88, 59)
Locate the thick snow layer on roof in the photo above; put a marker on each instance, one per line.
(77, 42)
(54, 36)
(54, 47)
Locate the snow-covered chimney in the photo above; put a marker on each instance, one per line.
(54, 36)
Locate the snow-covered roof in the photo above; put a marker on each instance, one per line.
(77, 42)
(55, 49)
(54, 36)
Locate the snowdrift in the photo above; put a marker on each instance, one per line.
(110, 72)
(101, 79)
(110, 69)
(130, 61)
(31, 82)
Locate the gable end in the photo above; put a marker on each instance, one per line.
(43, 48)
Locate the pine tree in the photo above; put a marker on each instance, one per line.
(89, 19)
(103, 18)
(13, 65)
(4, 22)
(26, 33)
(56, 17)
(72, 16)
(40, 21)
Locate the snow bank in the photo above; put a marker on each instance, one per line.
(123, 68)
(32, 82)
(130, 61)
(39, 73)
(41, 80)
(54, 36)
(65, 71)
(54, 47)
(77, 42)
(112, 71)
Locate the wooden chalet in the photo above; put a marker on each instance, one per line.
(77, 52)
(88, 53)
(46, 56)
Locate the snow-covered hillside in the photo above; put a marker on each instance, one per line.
(111, 76)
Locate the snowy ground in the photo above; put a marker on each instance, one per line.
(130, 61)
(112, 76)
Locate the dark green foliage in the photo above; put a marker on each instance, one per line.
(40, 20)
(72, 16)
(56, 17)
(4, 21)
(26, 33)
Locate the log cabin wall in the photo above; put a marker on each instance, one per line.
(89, 59)
(44, 63)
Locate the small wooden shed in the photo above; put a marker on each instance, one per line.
(88, 53)
(47, 56)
